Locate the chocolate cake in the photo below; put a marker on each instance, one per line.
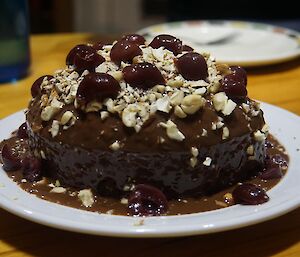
(140, 116)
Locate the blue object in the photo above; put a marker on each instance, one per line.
(14, 40)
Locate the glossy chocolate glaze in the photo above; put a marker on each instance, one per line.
(91, 132)
(80, 156)
(177, 206)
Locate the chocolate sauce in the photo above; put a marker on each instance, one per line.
(180, 206)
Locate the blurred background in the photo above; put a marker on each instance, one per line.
(119, 16)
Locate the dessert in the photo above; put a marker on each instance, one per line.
(144, 122)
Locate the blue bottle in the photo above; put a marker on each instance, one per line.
(14, 40)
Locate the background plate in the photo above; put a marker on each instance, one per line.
(283, 198)
(251, 44)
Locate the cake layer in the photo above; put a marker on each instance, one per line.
(113, 172)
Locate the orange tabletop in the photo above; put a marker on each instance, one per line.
(278, 84)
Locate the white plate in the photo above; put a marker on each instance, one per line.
(283, 198)
(252, 44)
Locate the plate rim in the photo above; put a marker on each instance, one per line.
(143, 231)
(234, 24)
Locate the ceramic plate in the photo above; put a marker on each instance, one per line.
(234, 42)
(283, 198)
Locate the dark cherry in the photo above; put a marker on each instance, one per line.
(147, 200)
(271, 171)
(269, 144)
(124, 51)
(134, 38)
(84, 57)
(10, 159)
(32, 168)
(249, 194)
(74, 51)
(22, 131)
(169, 42)
(279, 159)
(97, 86)
(234, 84)
(240, 71)
(143, 75)
(98, 46)
(186, 48)
(192, 66)
(36, 86)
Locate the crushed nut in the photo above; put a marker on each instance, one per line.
(66, 117)
(192, 103)
(54, 128)
(207, 161)
(250, 150)
(86, 197)
(172, 130)
(225, 133)
(259, 136)
(179, 112)
(115, 146)
(48, 112)
(58, 190)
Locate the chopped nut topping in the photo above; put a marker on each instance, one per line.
(179, 112)
(194, 151)
(86, 197)
(115, 146)
(246, 107)
(58, 190)
(193, 162)
(129, 115)
(250, 150)
(223, 104)
(48, 112)
(222, 204)
(172, 130)
(176, 98)
(43, 156)
(163, 104)
(54, 128)
(104, 115)
(124, 201)
(207, 161)
(225, 133)
(265, 129)
(229, 107)
(223, 68)
(259, 136)
(192, 103)
(66, 117)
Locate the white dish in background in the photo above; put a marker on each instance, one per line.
(284, 197)
(236, 42)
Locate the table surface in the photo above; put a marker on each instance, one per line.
(278, 84)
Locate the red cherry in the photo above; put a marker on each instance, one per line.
(186, 48)
(143, 75)
(32, 168)
(234, 84)
(249, 194)
(84, 57)
(169, 42)
(124, 51)
(147, 200)
(192, 66)
(10, 159)
(134, 38)
(97, 86)
(22, 131)
(98, 46)
(36, 86)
